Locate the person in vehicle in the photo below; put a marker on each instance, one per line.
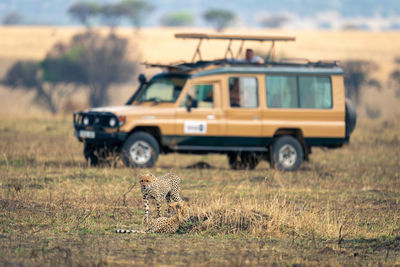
(234, 93)
(251, 58)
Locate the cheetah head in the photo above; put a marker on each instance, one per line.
(146, 179)
(181, 209)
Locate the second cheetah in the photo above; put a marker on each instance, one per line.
(164, 224)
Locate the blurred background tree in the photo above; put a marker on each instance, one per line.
(357, 76)
(98, 61)
(111, 14)
(136, 11)
(89, 59)
(219, 18)
(27, 75)
(394, 79)
(83, 12)
(274, 21)
(177, 19)
(12, 18)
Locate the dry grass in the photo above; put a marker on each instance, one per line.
(340, 208)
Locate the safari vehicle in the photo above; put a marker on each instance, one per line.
(276, 111)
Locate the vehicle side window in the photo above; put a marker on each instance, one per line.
(315, 92)
(299, 92)
(202, 96)
(243, 92)
(282, 92)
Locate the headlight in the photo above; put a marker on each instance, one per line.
(86, 121)
(112, 122)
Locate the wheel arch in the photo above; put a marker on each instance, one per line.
(296, 133)
(155, 131)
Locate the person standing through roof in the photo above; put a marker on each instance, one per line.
(251, 58)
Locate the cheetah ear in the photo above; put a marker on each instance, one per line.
(147, 175)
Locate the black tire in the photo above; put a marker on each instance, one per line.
(287, 153)
(90, 155)
(351, 117)
(243, 160)
(140, 150)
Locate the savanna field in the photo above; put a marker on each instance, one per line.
(341, 208)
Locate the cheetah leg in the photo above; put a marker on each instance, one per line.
(168, 198)
(146, 208)
(158, 208)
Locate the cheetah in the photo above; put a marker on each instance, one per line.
(164, 224)
(159, 188)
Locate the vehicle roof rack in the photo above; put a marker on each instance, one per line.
(234, 37)
(221, 36)
(185, 67)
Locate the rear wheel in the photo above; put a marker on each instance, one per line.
(351, 117)
(287, 153)
(243, 160)
(140, 150)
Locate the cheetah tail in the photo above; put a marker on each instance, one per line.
(123, 231)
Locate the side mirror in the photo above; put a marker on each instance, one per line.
(189, 103)
(142, 78)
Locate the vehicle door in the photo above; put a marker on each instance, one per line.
(243, 112)
(199, 115)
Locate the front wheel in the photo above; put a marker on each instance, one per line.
(287, 153)
(140, 150)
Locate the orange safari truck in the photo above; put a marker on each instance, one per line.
(275, 111)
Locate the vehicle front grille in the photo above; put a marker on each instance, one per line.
(94, 119)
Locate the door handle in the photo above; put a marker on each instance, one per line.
(211, 117)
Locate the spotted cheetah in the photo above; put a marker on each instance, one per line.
(159, 188)
(164, 224)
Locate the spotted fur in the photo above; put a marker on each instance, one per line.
(159, 188)
(164, 224)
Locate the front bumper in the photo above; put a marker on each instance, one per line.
(97, 132)
(103, 137)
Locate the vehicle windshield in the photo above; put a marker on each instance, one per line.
(162, 89)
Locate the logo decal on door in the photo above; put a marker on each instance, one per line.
(195, 127)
